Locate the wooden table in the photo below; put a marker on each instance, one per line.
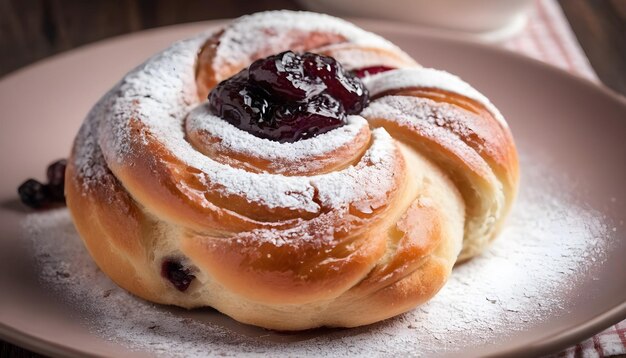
(600, 26)
(31, 30)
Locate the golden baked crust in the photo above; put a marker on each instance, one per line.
(296, 235)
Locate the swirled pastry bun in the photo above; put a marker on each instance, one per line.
(344, 228)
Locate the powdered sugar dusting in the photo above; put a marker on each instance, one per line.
(233, 138)
(428, 78)
(429, 118)
(89, 162)
(160, 93)
(346, 186)
(518, 283)
(247, 35)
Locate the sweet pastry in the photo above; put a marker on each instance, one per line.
(328, 180)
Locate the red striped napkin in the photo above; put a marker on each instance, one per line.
(608, 343)
(549, 38)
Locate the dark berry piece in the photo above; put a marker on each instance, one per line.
(289, 96)
(56, 180)
(324, 67)
(177, 274)
(342, 85)
(56, 172)
(283, 77)
(305, 120)
(57, 194)
(351, 92)
(369, 71)
(34, 194)
(239, 103)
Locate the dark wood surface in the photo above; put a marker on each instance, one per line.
(600, 26)
(34, 29)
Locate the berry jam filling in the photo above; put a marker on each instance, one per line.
(177, 274)
(289, 96)
(38, 195)
(369, 71)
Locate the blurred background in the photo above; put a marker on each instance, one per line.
(31, 30)
(584, 37)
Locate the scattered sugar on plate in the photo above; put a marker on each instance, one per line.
(520, 281)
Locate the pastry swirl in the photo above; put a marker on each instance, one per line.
(346, 228)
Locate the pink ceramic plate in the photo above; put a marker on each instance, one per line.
(567, 231)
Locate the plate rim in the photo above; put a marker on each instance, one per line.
(46, 347)
(553, 342)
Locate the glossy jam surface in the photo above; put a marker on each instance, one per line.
(177, 274)
(289, 96)
(369, 71)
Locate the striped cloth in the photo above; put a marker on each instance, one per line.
(608, 343)
(549, 38)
